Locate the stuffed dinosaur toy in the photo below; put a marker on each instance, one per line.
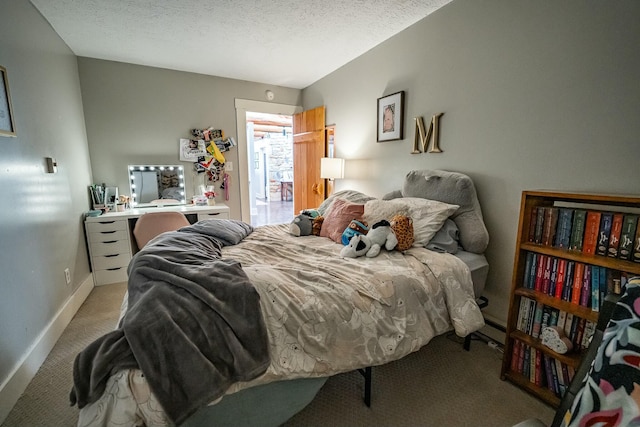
(370, 244)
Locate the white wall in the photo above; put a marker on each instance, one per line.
(41, 231)
(137, 115)
(536, 95)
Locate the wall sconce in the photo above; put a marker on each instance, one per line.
(331, 168)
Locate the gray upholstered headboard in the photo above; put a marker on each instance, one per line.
(454, 188)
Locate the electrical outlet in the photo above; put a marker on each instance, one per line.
(67, 276)
(228, 166)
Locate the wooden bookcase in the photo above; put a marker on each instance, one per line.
(515, 337)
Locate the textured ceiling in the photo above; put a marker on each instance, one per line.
(289, 43)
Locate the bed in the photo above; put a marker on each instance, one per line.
(305, 314)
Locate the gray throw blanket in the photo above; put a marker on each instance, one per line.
(193, 324)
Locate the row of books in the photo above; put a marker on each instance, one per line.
(594, 232)
(541, 369)
(534, 316)
(575, 282)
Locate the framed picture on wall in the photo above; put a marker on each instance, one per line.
(7, 126)
(391, 117)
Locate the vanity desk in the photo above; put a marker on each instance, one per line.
(111, 243)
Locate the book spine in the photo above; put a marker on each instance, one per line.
(589, 330)
(554, 276)
(592, 226)
(527, 270)
(568, 280)
(614, 237)
(532, 272)
(635, 253)
(546, 278)
(627, 236)
(539, 224)
(585, 292)
(553, 317)
(602, 282)
(577, 230)
(562, 264)
(563, 236)
(540, 272)
(532, 224)
(577, 283)
(515, 355)
(603, 234)
(550, 224)
(546, 317)
(537, 320)
(562, 379)
(538, 368)
(521, 358)
(562, 319)
(568, 324)
(573, 336)
(520, 315)
(595, 288)
(547, 370)
(577, 340)
(554, 377)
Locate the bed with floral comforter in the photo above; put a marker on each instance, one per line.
(324, 314)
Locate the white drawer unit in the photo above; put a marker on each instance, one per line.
(110, 237)
(213, 215)
(109, 249)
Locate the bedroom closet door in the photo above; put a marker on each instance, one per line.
(308, 148)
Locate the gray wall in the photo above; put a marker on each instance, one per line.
(137, 115)
(41, 214)
(536, 95)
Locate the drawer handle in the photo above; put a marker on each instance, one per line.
(111, 255)
(214, 214)
(111, 241)
(114, 269)
(107, 232)
(106, 222)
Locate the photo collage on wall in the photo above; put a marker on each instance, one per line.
(205, 149)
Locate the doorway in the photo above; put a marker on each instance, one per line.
(270, 150)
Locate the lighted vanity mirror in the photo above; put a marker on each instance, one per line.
(154, 185)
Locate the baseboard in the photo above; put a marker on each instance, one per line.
(18, 380)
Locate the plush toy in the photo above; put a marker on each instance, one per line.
(313, 213)
(317, 225)
(302, 225)
(381, 235)
(358, 246)
(354, 227)
(402, 226)
(369, 244)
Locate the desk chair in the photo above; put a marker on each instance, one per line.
(152, 224)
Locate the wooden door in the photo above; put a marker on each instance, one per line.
(308, 148)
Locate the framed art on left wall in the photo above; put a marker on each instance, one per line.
(7, 125)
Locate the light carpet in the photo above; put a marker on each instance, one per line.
(439, 385)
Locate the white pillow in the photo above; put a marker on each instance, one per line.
(428, 215)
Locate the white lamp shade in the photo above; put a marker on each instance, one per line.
(331, 168)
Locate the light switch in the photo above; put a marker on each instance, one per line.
(228, 166)
(52, 165)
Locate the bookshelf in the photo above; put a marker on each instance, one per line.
(544, 292)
